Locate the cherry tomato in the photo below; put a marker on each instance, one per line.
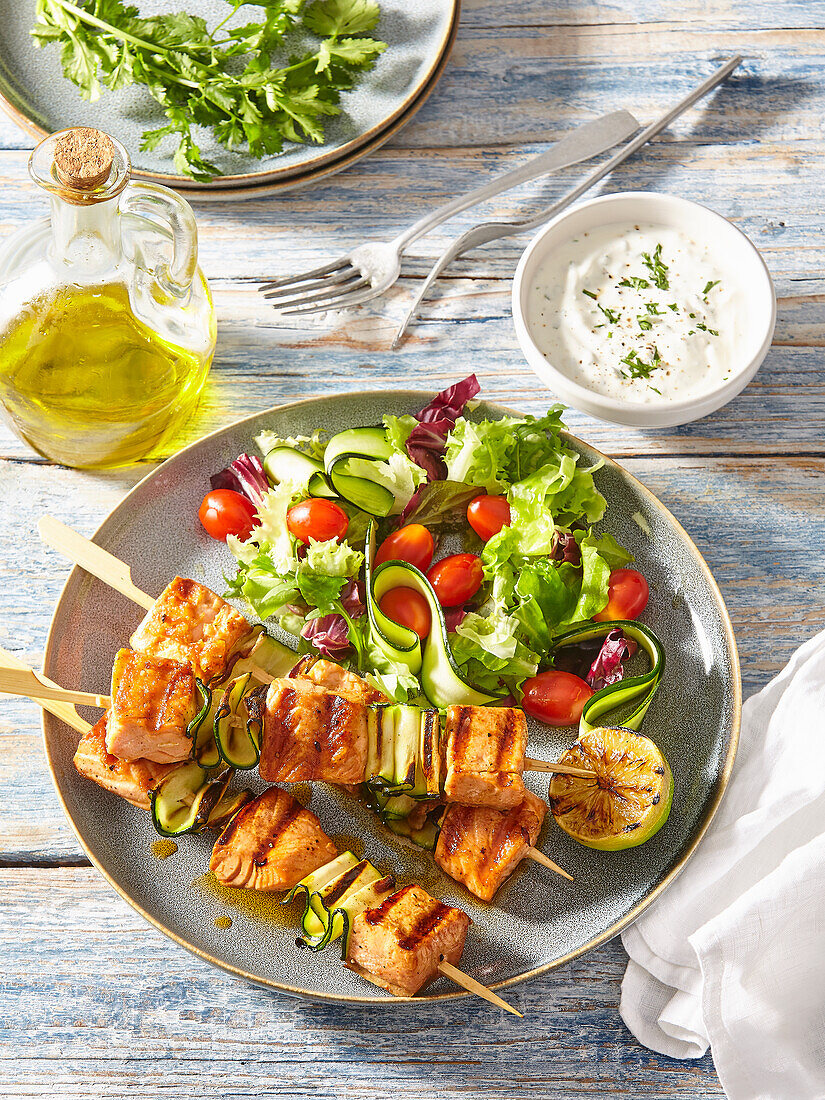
(413, 544)
(224, 512)
(456, 578)
(556, 698)
(627, 596)
(487, 515)
(408, 608)
(317, 519)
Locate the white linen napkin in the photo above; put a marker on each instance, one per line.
(733, 953)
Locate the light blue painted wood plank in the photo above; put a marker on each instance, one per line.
(72, 949)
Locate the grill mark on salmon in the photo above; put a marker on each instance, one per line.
(279, 828)
(505, 742)
(424, 927)
(382, 911)
(462, 733)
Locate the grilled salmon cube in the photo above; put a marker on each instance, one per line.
(399, 944)
(129, 779)
(484, 756)
(153, 702)
(190, 624)
(331, 677)
(312, 735)
(271, 844)
(480, 847)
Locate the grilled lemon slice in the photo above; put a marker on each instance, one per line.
(627, 802)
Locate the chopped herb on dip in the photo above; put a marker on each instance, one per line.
(636, 311)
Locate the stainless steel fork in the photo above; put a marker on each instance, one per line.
(372, 268)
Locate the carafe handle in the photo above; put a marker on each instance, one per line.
(164, 207)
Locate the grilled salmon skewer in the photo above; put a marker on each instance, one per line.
(480, 847)
(398, 939)
(312, 734)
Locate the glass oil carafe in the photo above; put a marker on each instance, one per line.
(107, 328)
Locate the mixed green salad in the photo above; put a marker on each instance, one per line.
(440, 555)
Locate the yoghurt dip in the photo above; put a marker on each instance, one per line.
(638, 312)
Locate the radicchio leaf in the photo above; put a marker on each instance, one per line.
(351, 599)
(329, 634)
(565, 548)
(428, 440)
(245, 476)
(608, 667)
(453, 617)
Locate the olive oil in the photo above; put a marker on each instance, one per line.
(163, 848)
(86, 383)
(256, 904)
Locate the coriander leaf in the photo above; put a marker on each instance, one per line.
(336, 17)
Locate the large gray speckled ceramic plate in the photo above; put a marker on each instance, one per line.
(419, 35)
(539, 920)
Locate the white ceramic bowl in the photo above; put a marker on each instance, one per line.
(736, 254)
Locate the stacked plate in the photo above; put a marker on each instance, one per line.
(419, 36)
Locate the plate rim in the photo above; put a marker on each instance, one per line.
(313, 169)
(48, 720)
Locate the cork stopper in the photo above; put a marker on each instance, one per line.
(83, 158)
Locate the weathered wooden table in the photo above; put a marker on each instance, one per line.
(93, 1002)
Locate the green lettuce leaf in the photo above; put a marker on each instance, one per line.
(492, 454)
(488, 651)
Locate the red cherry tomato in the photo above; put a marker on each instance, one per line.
(413, 544)
(456, 578)
(627, 596)
(487, 515)
(556, 698)
(317, 519)
(224, 512)
(408, 608)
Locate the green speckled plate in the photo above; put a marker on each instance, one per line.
(539, 921)
(419, 36)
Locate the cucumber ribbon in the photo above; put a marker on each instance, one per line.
(609, 698)
(434, 664)
(334, 895)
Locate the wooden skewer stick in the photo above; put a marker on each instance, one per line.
(62, 710)
(94, 559)
(532, 765)
(540, 857)
(16, 681)
(472, 986)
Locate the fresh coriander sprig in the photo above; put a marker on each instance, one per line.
(196, 78)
